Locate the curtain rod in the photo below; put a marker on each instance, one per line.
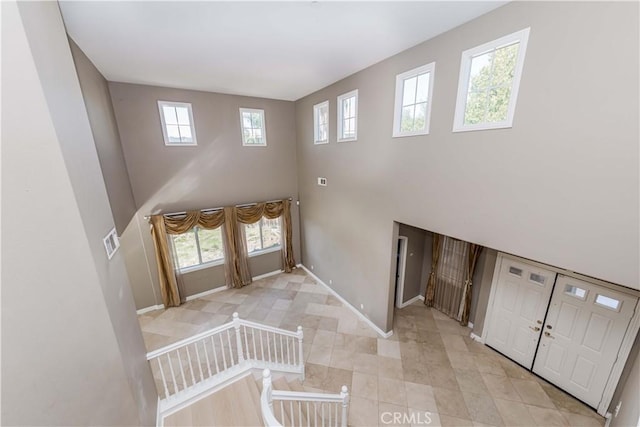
(146, 217)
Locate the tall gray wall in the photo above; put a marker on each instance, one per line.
(554, 188)
(95, 91)
(69, 353)
(219, 171)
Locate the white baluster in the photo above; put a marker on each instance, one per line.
(344, 393)
(206, 356)
(236, 325)
(184, 380)
(199, 361)
(246, 343)
(268, 346)
(215, 354)
(173, 376)
(281, 350)
(193, 378)
(224, 358)
(232, 359)
(261, 346)
(253, 340)
(164, 380)
(300, 352)
(288, 342)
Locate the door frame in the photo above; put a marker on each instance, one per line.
(627, 341)
(401, 270)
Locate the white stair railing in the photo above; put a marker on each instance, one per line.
(294, 408)
(188, 367)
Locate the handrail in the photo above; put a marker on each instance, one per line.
(192, 365)
(268, 395)
(190, 340)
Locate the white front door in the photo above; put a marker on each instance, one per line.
(581, 337)
(521, 299)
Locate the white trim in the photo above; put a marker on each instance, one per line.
(341, 98)
(492, 296)
(346, 303)
(607, 419)
(469, 325)
(316, 109)
(209, 292)
(150, 308)
(522, 38)
(476, 338)
(411, 301)
(397, 109)
(621, 360)
(203, 266)
(159, 417)
(402, 266)
(264, 127)
(265, 251)
(164, 125)
(272, 273)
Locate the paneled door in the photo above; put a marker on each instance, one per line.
(521, 298)
(581, 337)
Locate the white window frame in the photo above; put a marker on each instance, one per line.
(201, 265)
(264, 127)
(522, 37)
(165, 134)
(341, 99)
(270, 249)
(397, 112)
(316, 123)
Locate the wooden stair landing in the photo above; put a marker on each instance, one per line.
(238, 404)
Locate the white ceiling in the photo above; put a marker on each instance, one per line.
(281, 50)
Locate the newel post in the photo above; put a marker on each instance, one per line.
(300, 351)
(236, 325)
(344, 393)
(266, 387)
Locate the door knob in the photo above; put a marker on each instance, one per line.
(534, 328)
(539, 322)
(548, 326)
(548, 334)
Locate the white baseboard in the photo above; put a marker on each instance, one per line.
(209, 292)
(346, 303)
(476, 338)
(412, 300)
(272, 273)
(470, 325)
(150, 308)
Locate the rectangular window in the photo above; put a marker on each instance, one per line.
(489, 82)
(321, 123)
(412, 110)
(263, 235)
(348, 116)
(177, 123)
(607, 302)
(199, 247)
(253, 129)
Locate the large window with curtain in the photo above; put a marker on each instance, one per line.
(198, 247)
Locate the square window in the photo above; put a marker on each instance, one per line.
(348, 116)
(412, 109)
(321, 123)
(253, 130)
(177, 123)
(489, 81)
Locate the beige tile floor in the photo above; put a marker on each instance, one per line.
(428, 366)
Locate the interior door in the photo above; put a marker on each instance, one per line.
(582, 336)
(521, 298)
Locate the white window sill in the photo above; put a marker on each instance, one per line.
(211, 264)
(265, 251)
